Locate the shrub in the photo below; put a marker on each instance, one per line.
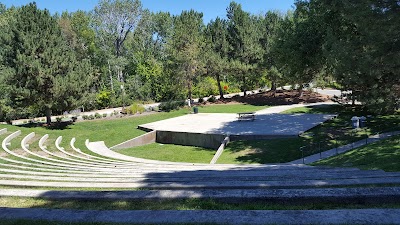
(103, 99)
(91, 117)
(212, 98)
(171, 105)
(97, 115)
(201, 100)
(85, 117)
(141, 109)
(104, 115)
(58, 119)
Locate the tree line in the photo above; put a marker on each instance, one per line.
(121, 51)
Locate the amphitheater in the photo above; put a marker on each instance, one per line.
(97, 166)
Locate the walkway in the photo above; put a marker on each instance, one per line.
(344, 148)
(329, 92)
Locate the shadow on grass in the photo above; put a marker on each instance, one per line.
(53, 126)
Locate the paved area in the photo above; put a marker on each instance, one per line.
(351, 216)
(267, 122)
(344, 148)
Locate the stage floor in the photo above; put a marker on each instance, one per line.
(228, 124)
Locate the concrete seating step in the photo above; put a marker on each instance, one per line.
(339, 216)
(377, 195)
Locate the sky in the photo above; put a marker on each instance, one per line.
(210, 8)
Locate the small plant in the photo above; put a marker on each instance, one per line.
(201, 100)
(212, 99)
(58, 119)
(97, 115)
(85, 117)
(104, 115)
(91, 117)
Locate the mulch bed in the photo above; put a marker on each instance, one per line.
(280, 98)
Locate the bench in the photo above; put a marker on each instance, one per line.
(246, 116)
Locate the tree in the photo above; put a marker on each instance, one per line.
(361, 48)
(186, 46)
(114, 20)
(43, 71)
(216, 53)
(244, 35)
(270, 24)
(299, 47)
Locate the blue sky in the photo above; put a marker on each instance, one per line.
(210, 8)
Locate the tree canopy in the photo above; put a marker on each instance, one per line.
(81, 59)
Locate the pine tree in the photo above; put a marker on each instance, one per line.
(45, 72)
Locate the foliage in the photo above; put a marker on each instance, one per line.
(212, 99)
(135, 108)
(186, 45)
(103, 99)
(171, 105)
(81, 58)
(42, 71)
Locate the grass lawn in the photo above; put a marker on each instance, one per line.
(327, 109)
(262, 151)
(173, 153)
(230, 108)
(320, 138)
(384, 155)
(112, 131)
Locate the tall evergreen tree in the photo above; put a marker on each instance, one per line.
(217, 47)
(43, 70)
(244, 38)
(186, 46)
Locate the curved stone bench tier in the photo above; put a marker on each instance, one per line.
(3, 131)
(36, 162)
(81, 164)
(207, 184)
(394, 178)
(78, 159)
(67, 165)
(101, 159)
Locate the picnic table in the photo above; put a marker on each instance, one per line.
(246, 116)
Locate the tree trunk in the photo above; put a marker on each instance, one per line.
(221, 93)
(190, 90)
(273, 88)
(48, 116)
(301, 91)
(244, 86)
(111, 79)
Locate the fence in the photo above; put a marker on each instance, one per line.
(351, 140)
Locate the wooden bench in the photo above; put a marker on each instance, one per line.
(246, 116)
